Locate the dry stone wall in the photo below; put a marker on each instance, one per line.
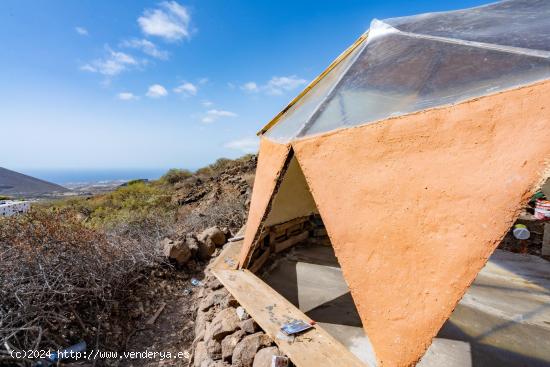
(225, 335)
(280, 237)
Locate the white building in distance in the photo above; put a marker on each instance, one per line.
(11, 207)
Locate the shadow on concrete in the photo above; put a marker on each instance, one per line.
(484, 355)
(519, 290)
(531, 268)
(340, 310)
(504, 315)
(283, 278)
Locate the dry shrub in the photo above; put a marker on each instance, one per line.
(223, 165)
(60, 280)
(224, 213)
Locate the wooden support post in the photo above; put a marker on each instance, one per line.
(260, 261)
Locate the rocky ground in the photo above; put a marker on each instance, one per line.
(217, 198)
(533, 245)
(197, 316)
(164, 311)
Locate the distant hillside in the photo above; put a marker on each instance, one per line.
(17, 184)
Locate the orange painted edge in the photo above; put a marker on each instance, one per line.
(271, 159)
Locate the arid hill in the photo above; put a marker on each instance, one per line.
(17, 184)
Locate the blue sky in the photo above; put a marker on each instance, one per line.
(149, 84)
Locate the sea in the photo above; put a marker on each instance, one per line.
(78, 177)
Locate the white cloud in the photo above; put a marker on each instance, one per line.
(187, 89)
(250, 87)
(245, 145)
(213, 115)
(221, 113)
(203, 80)
(88, 67)
(156, 91)
(126, 96)
(207, 103)
(279, 84)
(81, 31)
(170, 21)
(114, 63)
(147, 47)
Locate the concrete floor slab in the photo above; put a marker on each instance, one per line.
(449, 353)
(505, 315)
(310, 278)
(503, 320)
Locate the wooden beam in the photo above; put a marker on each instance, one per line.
(270, 310)
(292, 241)
(260, 261)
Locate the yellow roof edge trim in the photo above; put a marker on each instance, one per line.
(342, 56)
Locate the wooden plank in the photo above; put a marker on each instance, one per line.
(292, 241)
(282, 228)
(229, 257)
(270, 310)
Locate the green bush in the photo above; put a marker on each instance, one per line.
(133, 182)
(175, 175)
(129, 204)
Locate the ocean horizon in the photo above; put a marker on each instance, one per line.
(90, 176)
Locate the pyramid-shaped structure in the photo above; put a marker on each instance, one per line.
(419, 145)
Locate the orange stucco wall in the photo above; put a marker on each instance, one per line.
(271, 160)
(415, 205)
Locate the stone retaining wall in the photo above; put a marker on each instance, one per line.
(280, 237)
(225, 335)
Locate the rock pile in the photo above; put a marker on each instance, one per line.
(189, 246)
(225, 335)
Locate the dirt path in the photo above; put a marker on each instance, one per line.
(173, 330)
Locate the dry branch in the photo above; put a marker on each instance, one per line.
(59, 280)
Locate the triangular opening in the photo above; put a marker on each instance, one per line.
(293, 254)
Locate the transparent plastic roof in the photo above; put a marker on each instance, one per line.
(412, 63)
